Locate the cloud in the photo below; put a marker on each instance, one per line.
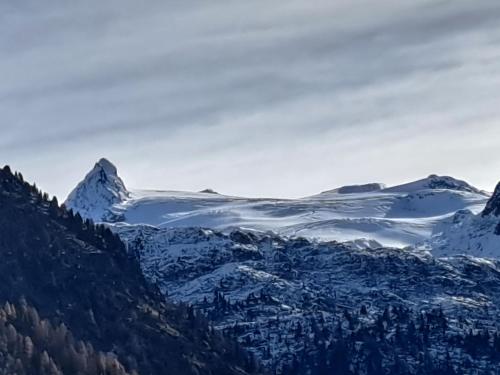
(253, 98)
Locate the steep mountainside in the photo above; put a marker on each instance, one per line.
(398, 216)
(79, 276)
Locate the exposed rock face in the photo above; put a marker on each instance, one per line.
(493, 205)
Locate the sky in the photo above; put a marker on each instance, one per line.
(251, 98)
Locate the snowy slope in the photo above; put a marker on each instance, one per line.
(397, 216)
(469, 233)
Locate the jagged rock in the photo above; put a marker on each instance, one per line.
(493, 205)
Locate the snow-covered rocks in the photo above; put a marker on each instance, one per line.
(261, 286)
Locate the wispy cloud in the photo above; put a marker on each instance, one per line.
(253, 98)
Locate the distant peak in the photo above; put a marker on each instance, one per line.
(96, 194)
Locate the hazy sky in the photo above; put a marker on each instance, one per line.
(256, 98)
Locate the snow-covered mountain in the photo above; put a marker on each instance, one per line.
(396, 216)
(275, 274)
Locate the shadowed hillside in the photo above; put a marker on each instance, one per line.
(77, 275)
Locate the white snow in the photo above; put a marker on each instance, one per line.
(392, 219)
(467, 233)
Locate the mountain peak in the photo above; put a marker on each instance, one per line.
(98, 192)
(107, 166)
